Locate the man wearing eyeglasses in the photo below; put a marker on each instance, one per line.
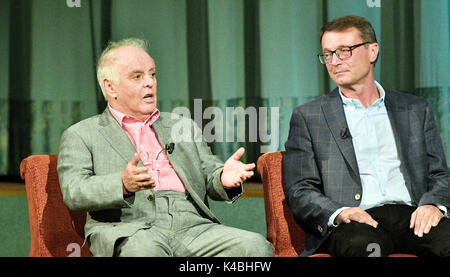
(364, 169)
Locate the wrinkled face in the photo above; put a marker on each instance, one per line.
(357, 68)
(135, 92)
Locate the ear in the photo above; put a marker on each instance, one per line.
(374, 52)
(110, 88)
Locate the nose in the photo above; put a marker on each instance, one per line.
(149, 80)
(334, 59)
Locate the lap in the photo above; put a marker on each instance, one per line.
(181, 231)
(392, 235)
(220, 240)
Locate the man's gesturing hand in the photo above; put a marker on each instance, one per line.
(234, 171)
(355, 214)
(136, 178)
(423, 218)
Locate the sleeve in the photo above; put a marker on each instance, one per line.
(212, 168)
(302, 179)
(82, 189)
(438, 173)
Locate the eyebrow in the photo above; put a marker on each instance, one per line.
(339, 46)
(140, 71)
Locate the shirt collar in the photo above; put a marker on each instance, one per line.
(122, 118)
(354, 102)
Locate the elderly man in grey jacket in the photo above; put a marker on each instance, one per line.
(146, 193)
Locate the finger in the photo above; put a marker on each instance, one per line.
(371, 222)
(142, 178)
(238, 154)
(135, 160)
(147, 185)
(422, 227)
(418, 228)
(435, 221)
(144, 184)
(345, 219)
(427, 227)
(249, 166)
(412, 220)
(364, 217)
(374, 223)
(139, 170)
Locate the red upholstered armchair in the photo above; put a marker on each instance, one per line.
(283, 231)
(55, 230)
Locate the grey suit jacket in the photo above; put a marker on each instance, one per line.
(320, 169)
(93, 154)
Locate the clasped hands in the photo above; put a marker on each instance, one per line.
(234, 172)
(422, 219)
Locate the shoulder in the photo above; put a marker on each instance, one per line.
(85, 130)
(314, 106)
(85, 125)
(405, 101)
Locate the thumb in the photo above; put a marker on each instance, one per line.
(238, 154)
(135, 160)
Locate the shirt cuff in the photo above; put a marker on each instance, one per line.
(334, 215)
(444, 210)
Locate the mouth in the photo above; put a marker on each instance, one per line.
(340, 72)
(149, 97)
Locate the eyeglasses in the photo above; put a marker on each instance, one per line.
(342, 53)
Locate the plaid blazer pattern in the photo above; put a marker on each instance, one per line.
(320, 172)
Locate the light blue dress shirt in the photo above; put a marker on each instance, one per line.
(376, 154)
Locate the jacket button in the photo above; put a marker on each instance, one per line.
(319, 228)
(150, 197)
(148, 224)
(357, 196)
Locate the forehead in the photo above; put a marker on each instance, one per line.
(132, 58)
(335, 39)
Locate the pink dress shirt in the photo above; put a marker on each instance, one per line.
(150, 151)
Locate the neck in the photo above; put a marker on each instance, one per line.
(366, 93)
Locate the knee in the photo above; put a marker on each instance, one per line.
(255, 245)
(362, 241)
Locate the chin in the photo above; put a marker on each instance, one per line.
(341, 81)
(151, 110)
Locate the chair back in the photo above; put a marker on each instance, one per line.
(283, 231)
(55, 230)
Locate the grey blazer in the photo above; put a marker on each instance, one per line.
(93, 154)
(320, 169)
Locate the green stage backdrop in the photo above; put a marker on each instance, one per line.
(228, 53)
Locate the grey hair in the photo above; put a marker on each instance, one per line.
(106, 67)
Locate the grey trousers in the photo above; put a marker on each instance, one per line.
(180, 231)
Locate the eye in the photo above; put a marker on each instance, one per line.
(137, 76)
(327, 55)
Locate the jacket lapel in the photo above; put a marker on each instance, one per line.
(399, 119)
(335, 118)
(116, 136)
(163, 130)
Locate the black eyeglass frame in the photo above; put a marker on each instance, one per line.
(322, 56)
